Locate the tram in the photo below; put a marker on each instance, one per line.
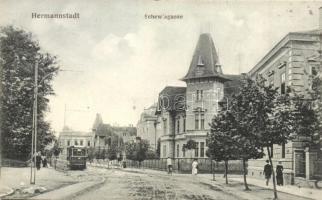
(76, 157)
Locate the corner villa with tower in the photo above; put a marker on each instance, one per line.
(184, 113)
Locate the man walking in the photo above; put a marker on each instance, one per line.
(267, 172)
(38, 160)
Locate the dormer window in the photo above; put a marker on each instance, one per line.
(200, 62)
(200, 66)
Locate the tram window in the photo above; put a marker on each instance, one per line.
(78, 152)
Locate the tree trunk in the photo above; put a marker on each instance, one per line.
(226, 171)
(270, 161)
(245, 173)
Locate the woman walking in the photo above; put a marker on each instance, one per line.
(279, 173)
(195, 167)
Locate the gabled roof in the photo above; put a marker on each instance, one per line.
(205, 62)
(171, 98)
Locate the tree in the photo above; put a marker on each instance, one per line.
(115, 148)
(269, 116)
(91, 154)
(190, 145)
(19, 53)
(221, 146)
(137, 151)
(240, 121)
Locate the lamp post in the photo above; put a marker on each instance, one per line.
(35, 123)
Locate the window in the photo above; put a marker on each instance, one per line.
(68, 142)
(202, 120)
(184, 124)
(283, 150)
(197, 95)
(197, 150)
(178, 150)
(178, 125)
(88, 143)
(76, 142)
(313, 71)
(197, 121)
(283, 83)
(202, 149)
(165, 126)
(81, 142)
(183, 152)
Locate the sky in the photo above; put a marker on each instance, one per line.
(116, 61)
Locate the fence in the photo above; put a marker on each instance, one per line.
(13, 163)
(183, 165)
(318, 169)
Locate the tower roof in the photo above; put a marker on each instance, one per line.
(98, 121)
(205, 61)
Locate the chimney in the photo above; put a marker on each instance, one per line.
(320, 18)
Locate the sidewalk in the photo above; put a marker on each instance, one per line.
(290, 189)
(236, 185)
(70, 191)
(16, 181)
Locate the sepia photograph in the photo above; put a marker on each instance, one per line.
(161, 99)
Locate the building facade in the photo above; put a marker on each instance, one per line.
(69, 138)
(291, 63)
(184, 113)
(104, 134)
(146, 126)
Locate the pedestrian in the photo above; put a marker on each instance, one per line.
(38, 160)
(279, 173)
(169, 165)
(267, 172)
(195, 167)
(44, 162)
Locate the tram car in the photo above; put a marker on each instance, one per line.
(76, 157)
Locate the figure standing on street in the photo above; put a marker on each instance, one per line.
(195, 167)
(279, 173)
(38, 160)
(44, 162)
(169, 164)
(267, 172)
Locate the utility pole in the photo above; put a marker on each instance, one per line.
(34, 132)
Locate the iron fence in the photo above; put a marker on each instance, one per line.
(184, 165)
(318, 169)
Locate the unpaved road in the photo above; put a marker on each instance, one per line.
(125, 185)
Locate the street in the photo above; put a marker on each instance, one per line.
(143, 184)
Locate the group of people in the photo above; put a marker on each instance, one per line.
(40, 160)
(267, 170)
(194, 166)
(279, 173)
